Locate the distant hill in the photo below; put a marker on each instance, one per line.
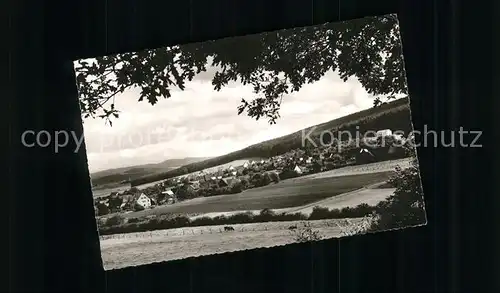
(394, 115)
(115, 176)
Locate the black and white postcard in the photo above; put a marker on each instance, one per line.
(250, 142)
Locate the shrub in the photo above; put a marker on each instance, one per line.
(237, 188)
(218, 191)
(185, 192)
(266, 215)
(292, 217)
(114, 221)
(269, 167)
(239, 218)
(133, 220)
(274, 177)
(267, 212)
(202, 221)
(244, 182)
(337, 158)
(305, 233)
(101, 222)
(102, 209)
(406, 206)
(138, 207)
(316, 167)
(179, 221)
(168, 182)
(256, 180)
(361, 210)
(265, 179)
(319, 213)
(114, 203)
(288, 173)
(202, 192)
(349, 229)
(226, 190)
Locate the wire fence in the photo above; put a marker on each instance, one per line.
(183, 232)
(226, 230)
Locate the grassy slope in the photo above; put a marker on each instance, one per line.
(138, 248)
(113, 176)
(393, 115)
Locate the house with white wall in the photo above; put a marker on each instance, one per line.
(169, 196)
(384, 132)
(297, 169)
(144, 201)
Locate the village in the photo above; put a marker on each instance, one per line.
(253, 173)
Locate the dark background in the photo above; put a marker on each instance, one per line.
(53, 243)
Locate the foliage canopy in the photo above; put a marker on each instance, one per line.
(273, 63)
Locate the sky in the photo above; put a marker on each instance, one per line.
(202, 122)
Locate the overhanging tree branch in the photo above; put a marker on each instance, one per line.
(273, 63)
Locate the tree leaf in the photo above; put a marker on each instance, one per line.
(273, 63)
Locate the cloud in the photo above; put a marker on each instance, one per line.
(201, 122)
(206, 76)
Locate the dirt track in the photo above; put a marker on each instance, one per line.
(361, 169)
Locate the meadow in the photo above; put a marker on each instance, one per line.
(103, 192)
(288, 193)
(123, 250)
(132, 248)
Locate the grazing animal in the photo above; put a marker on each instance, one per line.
(292, 227)
(228, 228)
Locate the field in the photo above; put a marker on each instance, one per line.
(362, 169)
(235, 163)
(370, 196)
(108, 179)
(288, 193)
(331, 189)
(102, 192)
(123, 250)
